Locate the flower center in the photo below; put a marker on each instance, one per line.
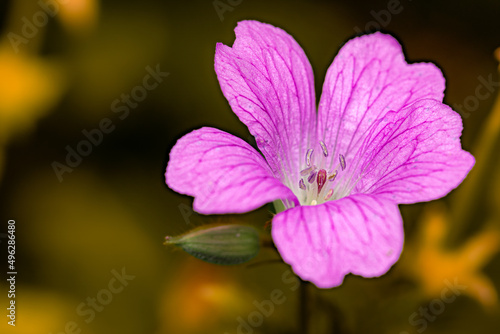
(318, 181)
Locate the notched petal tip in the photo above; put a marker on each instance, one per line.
(266, 78)
(419, 156)
(369, 77)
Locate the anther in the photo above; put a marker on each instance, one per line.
(302, 185)
(312, 176)
(323, 147)
(321, 179)
(308, 170)
(329, 194)
(342, 161)
(333, 176)
(308, 156)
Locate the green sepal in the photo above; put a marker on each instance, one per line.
(219, 244)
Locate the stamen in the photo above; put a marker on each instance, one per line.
(323, 147)
(308, 170)
(333, 176)
(308, 156)
(329, 194)
(312, 176)
(321, 179)
(342, 161)
(314, 202)
(302, 185)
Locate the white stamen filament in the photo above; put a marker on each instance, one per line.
(328, 194)
(322, 186)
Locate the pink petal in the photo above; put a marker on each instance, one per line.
(223, 173)
(369, 77)
(415, 155)
(269, 84)
(359, 234)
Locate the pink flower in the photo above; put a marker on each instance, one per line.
(381, 137)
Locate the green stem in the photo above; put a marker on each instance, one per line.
(267, 242)
(337, 322)
(304, 310)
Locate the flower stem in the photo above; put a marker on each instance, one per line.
(304, 309)
(268, 243)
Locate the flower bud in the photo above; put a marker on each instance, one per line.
(219, 244)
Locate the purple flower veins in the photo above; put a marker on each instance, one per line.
(380, 137)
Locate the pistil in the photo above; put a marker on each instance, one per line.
(321, 179)
(317, 176)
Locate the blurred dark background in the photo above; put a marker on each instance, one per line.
(108, 213)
